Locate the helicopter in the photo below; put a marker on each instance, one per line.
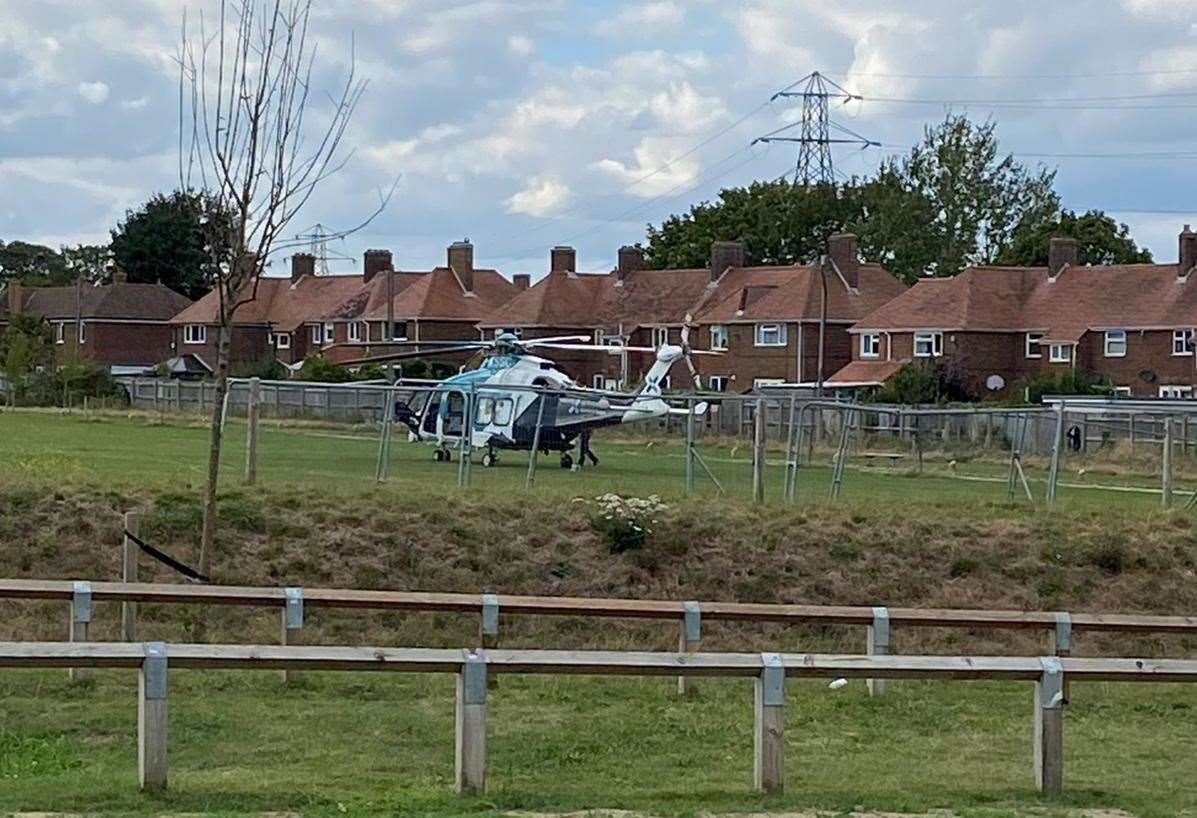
(522, 401)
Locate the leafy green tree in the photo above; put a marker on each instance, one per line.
(1100, 240)
(24, 346)
(31, 264)
(166, 240)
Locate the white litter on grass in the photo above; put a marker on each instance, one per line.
(836, 684)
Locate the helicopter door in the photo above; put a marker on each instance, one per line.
(454, 415)
(428, 425)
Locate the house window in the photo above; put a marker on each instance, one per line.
(1176, 391)
(358, 331)
(1182, 342)
(718, 337)
(928, 344)
(1034, 347)
(602, 339)
(770, 335)
(660, 336)
(398, 330)
(317, 334)
(1116, 343)
(83, 332)
(282, 340)
(328, 333)
(598, 380)
(516, 331)
(60, 332)
(717, 383)
(195, 334)
(1059, 353)
(1122, 391)
(870, 344)
(759, 383)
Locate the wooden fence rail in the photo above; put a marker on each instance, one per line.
(292, 602)
(472, 667)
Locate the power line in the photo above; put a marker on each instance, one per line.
(1081, 155)
(1092, 75)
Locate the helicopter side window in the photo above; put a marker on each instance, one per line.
(454, 404)
(486, 411)
(434, 405)
(503, 408)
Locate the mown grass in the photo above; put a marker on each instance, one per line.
(374, 745)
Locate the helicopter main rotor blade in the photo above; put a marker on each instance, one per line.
(415, 353)
(539, 342)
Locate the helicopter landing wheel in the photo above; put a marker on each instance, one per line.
(567, 461)
(490, 459)
(442, 456)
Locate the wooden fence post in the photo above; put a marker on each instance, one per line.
(152, 718)
(768, 736)
(1049, 729)
(130, 551)
(689, 639)
(292, 626)
(470, 726)
(251, 432)
(80, 624)
(878, 645)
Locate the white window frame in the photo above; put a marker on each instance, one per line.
(1176, 391)
(60, 332)
(1182, 342)
(870, 345)
(329, 332)
(598, 380)
(1112, 337)
(516, 331)
(317, 334)
(934, 340)
(660, 336)
(282, 340)
(1063, 357)
(195, 334)
(83, 332)
(1122, 391)
(1034, 339)
(717, 383)
(757, 383)
(760, 332)
(359, 332)
(611, 384)
(720, 337)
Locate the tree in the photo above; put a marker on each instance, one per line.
(24, 346)
(252, 151)
(29, 263)
(163, 240)
(1100, 240)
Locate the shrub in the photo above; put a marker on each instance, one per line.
(924, 382)
(625, 523)
(1071, 382)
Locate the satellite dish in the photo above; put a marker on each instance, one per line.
(995, 383)
(1147, 375)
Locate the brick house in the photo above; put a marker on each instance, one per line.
(766, 319)
(999, 327)
(124, 327)
(630, 305)
(343, 317)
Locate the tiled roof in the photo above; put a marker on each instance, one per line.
(437, 294)
(793, 293)
(1130, 296)
(149, 302)
(865, 373)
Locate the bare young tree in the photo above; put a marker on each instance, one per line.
(247, 144)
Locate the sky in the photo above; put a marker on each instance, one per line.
(520, 124)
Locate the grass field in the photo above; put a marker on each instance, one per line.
(134, 450)
(382, 745)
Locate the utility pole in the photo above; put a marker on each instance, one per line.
(815, 129)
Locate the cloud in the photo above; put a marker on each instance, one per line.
(135, 104)
(94, 92)
(542, 197)
(520, 45)
(643, 19)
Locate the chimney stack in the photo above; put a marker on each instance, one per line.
(1187, 258)
(375, 262)
(1061, 253)
(563, 259)
(725, 254)
(522, 281)
(461, 261)
(302, 264)
(842, 249)
(631, 259)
